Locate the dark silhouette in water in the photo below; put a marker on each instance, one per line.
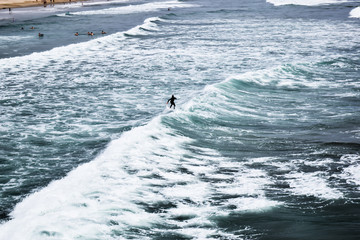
(171, 100)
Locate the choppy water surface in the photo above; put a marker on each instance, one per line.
(263, 144)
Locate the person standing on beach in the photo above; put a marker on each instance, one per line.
(172, 101)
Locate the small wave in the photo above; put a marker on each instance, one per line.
(101, 3)
(14, 38)
(355, 13)
(139, 8)
(67, 14)
(304, 2)
(149, 25)
(228, 11)
(290, 76)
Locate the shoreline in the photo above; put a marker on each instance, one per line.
(33, 3)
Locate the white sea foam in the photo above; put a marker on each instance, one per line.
(115, 186)
(88, 194)
(312, 184)
(350, 158)
(304, 2)
(249, 182)
(352, 175)
(251, 204)
(355, 13)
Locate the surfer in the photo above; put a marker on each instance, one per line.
(171, 100)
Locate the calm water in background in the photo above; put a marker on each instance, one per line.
(264, 142)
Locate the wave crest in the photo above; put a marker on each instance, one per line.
(355, 13)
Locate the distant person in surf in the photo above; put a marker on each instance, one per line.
(171, 100)
(102, 32)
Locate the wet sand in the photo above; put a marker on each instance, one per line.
(31, 3)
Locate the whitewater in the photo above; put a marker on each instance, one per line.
(263, 143)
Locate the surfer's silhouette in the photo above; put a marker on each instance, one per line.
(171, 100)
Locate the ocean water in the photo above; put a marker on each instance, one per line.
(264, 142)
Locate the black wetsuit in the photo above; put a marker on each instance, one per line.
(171, 100)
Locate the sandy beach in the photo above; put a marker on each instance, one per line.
(30, 3)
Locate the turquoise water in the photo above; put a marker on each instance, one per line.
(263, 144)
